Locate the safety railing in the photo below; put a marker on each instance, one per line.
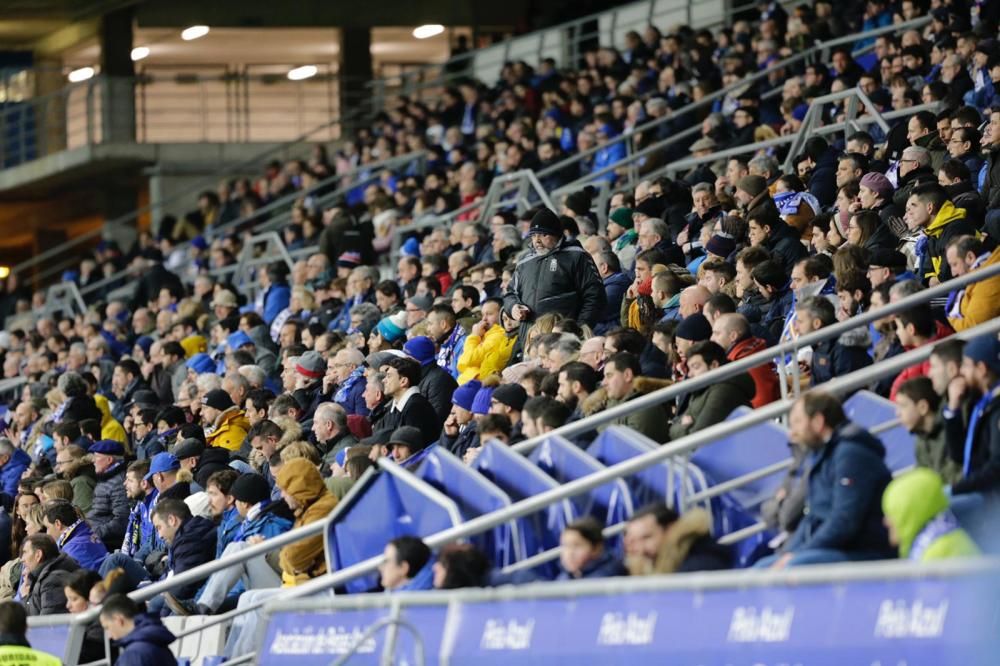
(680, 447)
(633, 154)
(565, 43)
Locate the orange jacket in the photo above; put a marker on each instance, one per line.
(765, 379)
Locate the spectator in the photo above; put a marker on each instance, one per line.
(846, 481)
(460, 432)
(919, 522)
(406, 566)
(303, 491)
(832, 357)
(712, 404)
(73, 467)
(460, 565)
(225, 424)
(408, 406)
(109, 511)
(929, 212)
(558, 276)
(73, 535)
(918, 406)
(13, 462)
(47, 571)
(331, 431)
(141, 637)
(732, 333)
(980, 301)
(489, 345)
(583, 554)
(623, 382)
(190, 540)
(659, 541)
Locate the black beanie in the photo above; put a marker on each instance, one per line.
(546, 222)
(251, 488)
(694, 328)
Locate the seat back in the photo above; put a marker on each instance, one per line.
(868, 410)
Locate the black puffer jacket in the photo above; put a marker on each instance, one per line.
(108, 514)
(784, 245)
(437, 386)
(46, 596)
(564, 280)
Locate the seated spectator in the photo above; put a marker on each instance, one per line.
(460, 432)
(408, 406)
(46, 572)
(489, 345)
(13, 462)
(732, 333)
(978, 302)
(773, 286)
(73, 535)
(832, 357)
(109, 511)
(938, 221)
(141, 637)
(918, 407)
(460, 565)
(407, 446)
(225, 424)
(190, 541)
(919, 521)
(435, 383)
(406, 566)
(771, 233)
(846, 480)
(623, 382)
(659, 541)
(915, 327)
(583, 554)
(78, 588)
(73, 467)
(714, 403)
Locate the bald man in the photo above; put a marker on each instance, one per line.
(693, 300)
(732, 333)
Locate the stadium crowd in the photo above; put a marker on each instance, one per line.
(188, 422)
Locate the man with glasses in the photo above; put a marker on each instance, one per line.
(964, 145)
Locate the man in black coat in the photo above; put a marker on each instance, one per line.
(435, 383)
(47, 570)
(781, 240)
(408, 407)
(557, 276)
(108, 515)
(190, 540)
(152, 277)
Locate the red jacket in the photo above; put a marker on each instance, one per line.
(920, 369)
(765, 379)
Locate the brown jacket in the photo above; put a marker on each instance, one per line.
(304, 559)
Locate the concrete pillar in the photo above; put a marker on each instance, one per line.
(118, 108)
(354, 73)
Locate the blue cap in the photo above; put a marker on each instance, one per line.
(481, 403)
(465, 394)
(108, 447)
(237, 339)
(162, 462)
(200, 242)
(985, 349)
(201, 363)
(70, 276)
(421, 348)
(411, 248)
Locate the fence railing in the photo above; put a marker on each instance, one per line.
(680, 447)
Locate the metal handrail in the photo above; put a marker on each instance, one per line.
(253, 162)
(722, 92)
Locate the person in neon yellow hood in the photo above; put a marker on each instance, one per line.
(918, 519)
(110, 428)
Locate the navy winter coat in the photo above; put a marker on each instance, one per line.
(108, 515)
(194, 544)
(147, 645)
(844, 502)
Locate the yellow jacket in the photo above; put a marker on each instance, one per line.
(980, 301)
(230, 430)
(304, 559)
(110, 428)
(482, 357)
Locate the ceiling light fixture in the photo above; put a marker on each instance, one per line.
(194, 32)
(430, 30)
(303, 72)
(81, 74)
(140, 52)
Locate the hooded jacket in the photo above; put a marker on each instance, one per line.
(843, 504)
(713, 404)
(194, 545)
(46, 596)
(564, 280)
(689, 546)
(109, 511)
(979, 302)
(84, 481)
(917, 507)
(230, 430)
(110, 428)
(262, 520)
(767, 388)
(485, 356)
(304, 559)
(949, 223)
(653, 422)
(148, 644)
(11, 473)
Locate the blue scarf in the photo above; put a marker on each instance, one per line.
(977, 413)
(446, 353)
(941, 525)
(345, 388)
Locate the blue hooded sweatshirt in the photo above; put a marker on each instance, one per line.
(148, 644)
(80, 543)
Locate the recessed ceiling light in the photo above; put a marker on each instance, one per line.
(140, 52)
(81, 74)
(303, 72)
(194, 32)
(430, 30)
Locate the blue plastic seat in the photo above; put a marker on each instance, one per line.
(868, 410)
